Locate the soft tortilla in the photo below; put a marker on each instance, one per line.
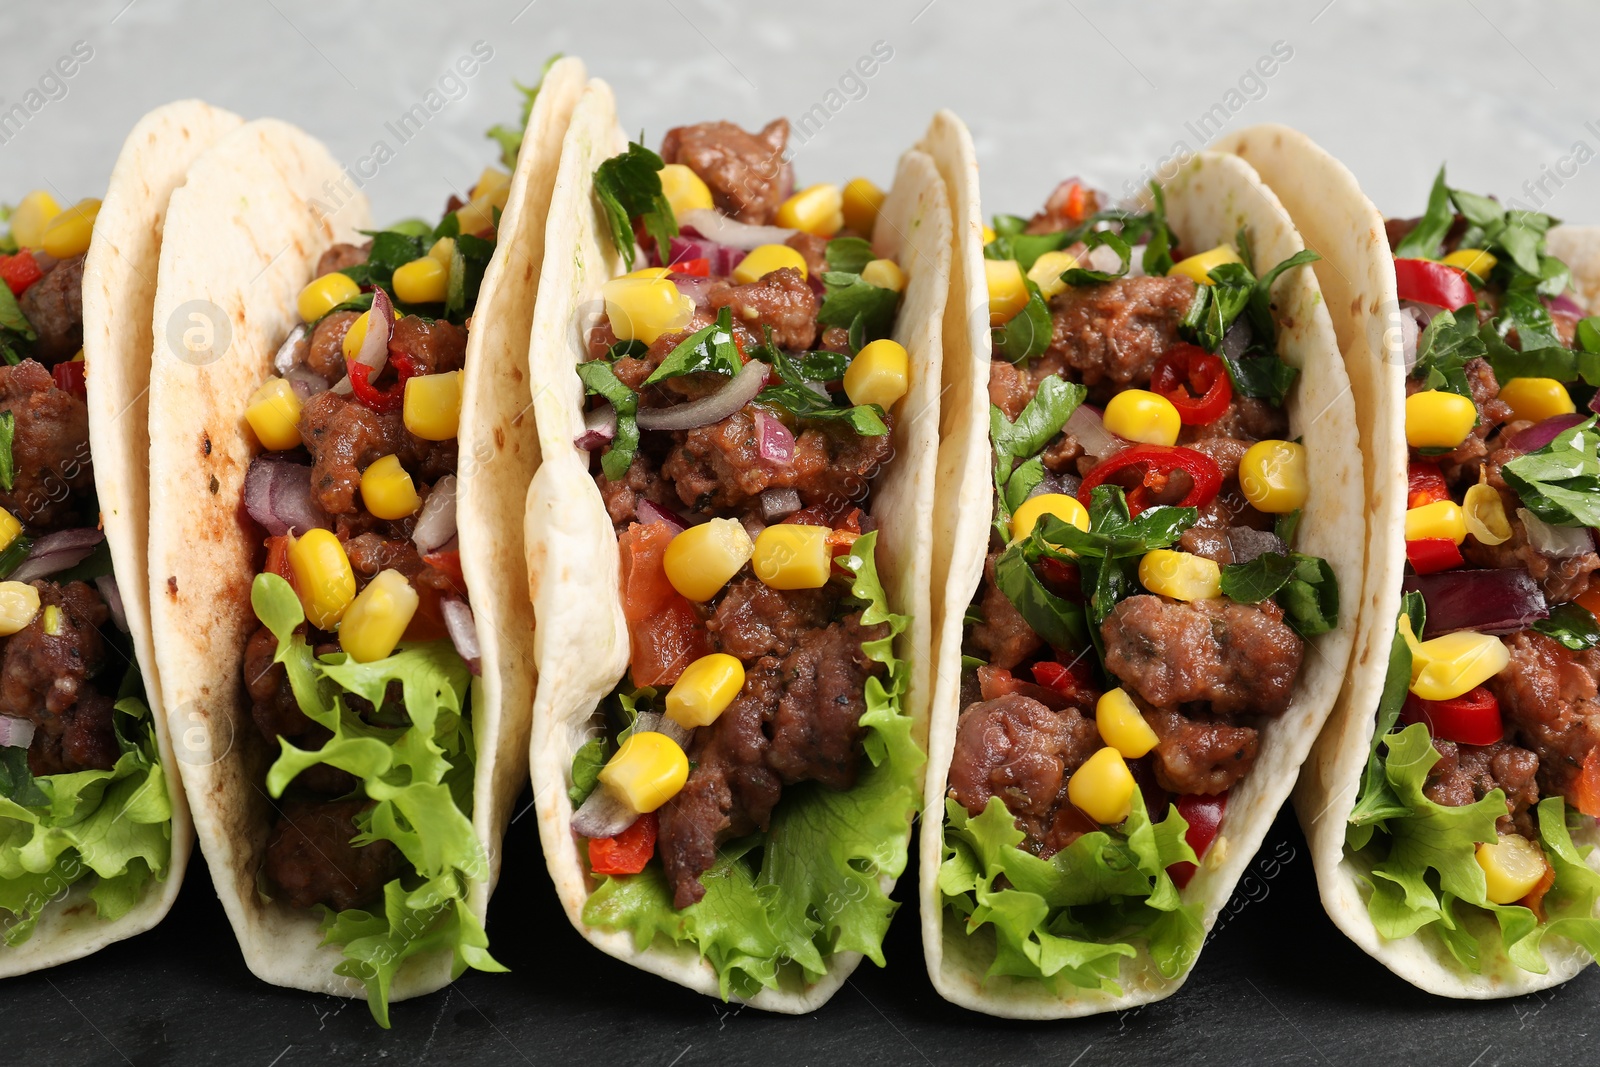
(245, 236)
(1357, 273)
(119, 283)
(572, 552)
(1208, 202)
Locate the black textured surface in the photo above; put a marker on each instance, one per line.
(1277, 984)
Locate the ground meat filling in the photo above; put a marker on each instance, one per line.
(54, 673)
(1207, 754)
(344, 437)
(1113, 334)
(1465, 774)
(1549, 700)
(53, 306)
(311, 860)
(49, 448)
(746, 172)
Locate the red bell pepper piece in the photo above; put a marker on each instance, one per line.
(1195, 381)
(698, 268)
(1424, 484)
(20, 271)
(1071, 682)
(626, 853)
(1473, 718)
(1428, 282)
(1428, 555)
(1204, 816)
(69, 378)
(1143, 472)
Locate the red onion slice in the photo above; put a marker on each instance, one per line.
(111, 593)
(463, 629)
(305, 382)
(1540, 434)
(15, 733)
(603, 814)
(277, 493)
(56, 552)
(1557, 542)
(696, 289)
(775, 442)
(292, 353)
(778, 504)
(380, 324)
(1488, 601)
(650, 512)
(436, 525)
(599, 427)
(733, 233)
(719, 405)
(1565, 305)
(1091, 433)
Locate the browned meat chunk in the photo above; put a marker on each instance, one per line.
(746, 172)
(342, 256)
(437, 347)
(815, 732)
(1238, 658)
(47, 679)
(1004, 636)
(326, 354)
(49, 447)
(1200, 755)
(81, 739)
(642, 482)
(1460, 466)
(311, 861)
(1069, 204)
(1465, 774)
(53, 306)
(754, 620)
(344, 436)
(782, 300)
(1117, 331)
(813, 250)
(1548, 697)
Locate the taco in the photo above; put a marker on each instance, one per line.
(94, 833)
(728, 542)
(1141, 629)
(334, 628)
(1451, 812)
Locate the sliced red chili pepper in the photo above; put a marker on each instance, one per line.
(1204, 816)
(1425, 484)
(69, 377)
(698, 268)
(626, 853)
(20, 271)
(1195, 381)
(1473, 718)
(1428, 555)
(278, 558)
(383, 401)
(1144, 472)
(1428, 282)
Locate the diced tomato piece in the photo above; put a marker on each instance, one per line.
(19, 271)
(1425, 484)
(1473, 718)
(1534, 900)
(1428, 555)
(664, 629)
(698, 268)
(1586, 790)
(428, 622)
(69, 377)
(278, 558)
(996, 682)
(626, 853)
(449, 565)
(1589, 600)
(1204, 816)
(1429, 282)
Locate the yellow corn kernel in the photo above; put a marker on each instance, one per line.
(1446, 667)
(1140, 415)
(647, 771)
(10, 529)
(1180, 575)
(274, 414)
(77, 356)
(387, 489)
(422, 281)
(1103, 787)
(817, 210)
(1007, 293)
(684, 189)
(30, 218)
(652, 274)
(1485, 514)
(793, 556)
(322, 295)
(701, 559)
(1512, 866)
(879, 374)
(642, 309)
(704, 690)
(356, 335)
(1062, 506)
(1442, 518)
(444, 250)
(52, 621)
(1437, 419)
(766, 259)
(19, 603)
(378, 617)
(1537, 399)
(885, 274)
(1273, 476)
(494, 187)
(322, 577)
(1475, 260)
(1200, 265)
(477, 214)
(1047, 270)
(1122, 725)
(860, 203)
(988, 234)
(433, 405)
(68, 234)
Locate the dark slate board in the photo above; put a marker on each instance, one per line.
(1277, 984)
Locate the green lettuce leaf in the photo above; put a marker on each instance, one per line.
(810, 887)
(417, 767)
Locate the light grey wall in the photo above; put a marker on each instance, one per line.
(1502, 91)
